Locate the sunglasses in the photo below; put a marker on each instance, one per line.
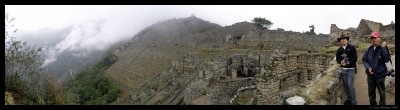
(372, 38)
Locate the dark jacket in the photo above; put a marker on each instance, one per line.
(351, 55)
(376, 59)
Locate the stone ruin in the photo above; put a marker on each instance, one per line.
(363, 31)
(276, 80)
(271, 39)
(225, 81)
(283, 76)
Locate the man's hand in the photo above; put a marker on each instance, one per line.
(343, 63)
(370, 71)
(384, 44)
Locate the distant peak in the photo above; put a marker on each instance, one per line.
(192, 16)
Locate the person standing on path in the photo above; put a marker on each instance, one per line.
(374, 60)
(346, 56)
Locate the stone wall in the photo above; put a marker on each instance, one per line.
(388, 30)
(335, 92)
(337, 32)
(367, 26)
(278, 38)
(228, 90)
(286, 72)
(267, 92)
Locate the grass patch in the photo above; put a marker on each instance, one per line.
(363, 46)
(208, 50)
(330, 50)
(244, 101)
(237, 50)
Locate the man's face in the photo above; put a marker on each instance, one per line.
(375, 40)
(343, 41)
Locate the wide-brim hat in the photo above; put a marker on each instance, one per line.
(343, 36)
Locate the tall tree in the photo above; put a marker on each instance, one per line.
(312, 28)
(261, 25)
(311, 32)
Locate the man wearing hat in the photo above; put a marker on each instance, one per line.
(374, 60)
(346, 56)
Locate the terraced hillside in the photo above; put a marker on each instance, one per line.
(137, 67)
(152, 50)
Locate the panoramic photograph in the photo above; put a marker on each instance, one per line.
(199, 55)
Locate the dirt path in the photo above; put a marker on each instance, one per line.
(199, 101)
(361, 86)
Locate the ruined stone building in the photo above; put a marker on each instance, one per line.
(279, 77)
(364, 30)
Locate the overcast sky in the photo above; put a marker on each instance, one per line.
(288, 17)
(106, 24)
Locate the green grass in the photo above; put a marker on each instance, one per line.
(244, 101)
(207, 50)
(330, 50)
(363, 46)
(237, 50)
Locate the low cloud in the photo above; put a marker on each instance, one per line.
(85, 38)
